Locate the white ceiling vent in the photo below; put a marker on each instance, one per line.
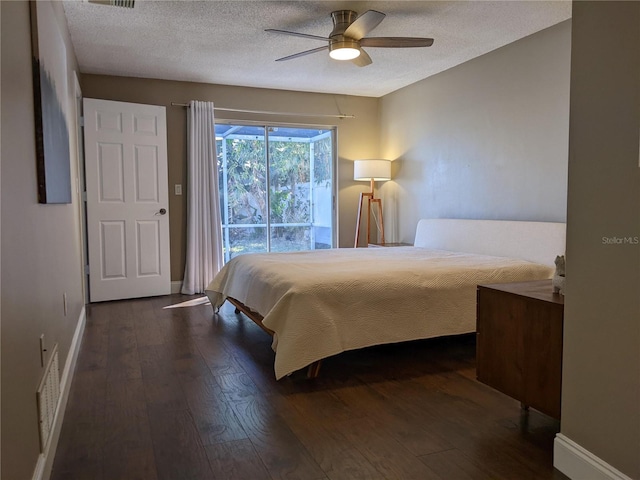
(115, 3)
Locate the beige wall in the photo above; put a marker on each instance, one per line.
(486, 139)
(601, 372)
(40, 248)
(357, 138)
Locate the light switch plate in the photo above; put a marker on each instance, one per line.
(178, 189)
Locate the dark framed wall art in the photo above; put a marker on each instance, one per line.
(50, 102)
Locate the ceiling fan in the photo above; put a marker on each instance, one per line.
(348, 36)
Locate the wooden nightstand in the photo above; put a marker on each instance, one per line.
(388, 244)
(519, 342)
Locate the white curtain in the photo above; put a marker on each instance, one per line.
(204, 225)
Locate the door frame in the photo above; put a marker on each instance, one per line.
(80, 186)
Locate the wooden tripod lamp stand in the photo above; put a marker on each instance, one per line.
(370, 170)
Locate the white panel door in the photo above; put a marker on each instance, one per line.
(127, 200)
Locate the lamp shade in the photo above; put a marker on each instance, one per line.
(372, 170)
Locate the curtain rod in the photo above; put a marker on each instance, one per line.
(266, 112)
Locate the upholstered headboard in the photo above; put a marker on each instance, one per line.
(537, 242)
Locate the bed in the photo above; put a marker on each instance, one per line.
(320, 303)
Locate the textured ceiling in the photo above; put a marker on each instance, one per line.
(224, 42)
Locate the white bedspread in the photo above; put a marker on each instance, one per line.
(324, 302)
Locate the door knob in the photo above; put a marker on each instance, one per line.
(162, 211)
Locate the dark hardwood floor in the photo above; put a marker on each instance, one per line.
(182, 393)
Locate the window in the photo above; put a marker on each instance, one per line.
(276, 188)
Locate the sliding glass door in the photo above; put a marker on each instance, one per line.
(276, 188)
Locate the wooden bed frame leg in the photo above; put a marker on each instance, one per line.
(314, 369)
(237, 311)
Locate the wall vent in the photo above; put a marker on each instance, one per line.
(48, 396)
(115, 3)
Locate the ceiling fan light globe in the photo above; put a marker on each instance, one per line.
(345, 53)
(342, 48)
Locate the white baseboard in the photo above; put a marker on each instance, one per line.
(578, 463)
(45, 460)
(38, 473)
(176, 287)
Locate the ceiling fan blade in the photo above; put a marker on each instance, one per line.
(396, 42)
(363, 59)
(364, 24)
(296, 34)
(302, 54)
